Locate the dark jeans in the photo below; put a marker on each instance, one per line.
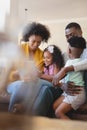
(40, 101)
(85, 79)
(46, 97)
(56, 92)
(31, 93)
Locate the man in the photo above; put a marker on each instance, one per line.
(72, 29)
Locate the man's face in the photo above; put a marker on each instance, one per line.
(69, 32)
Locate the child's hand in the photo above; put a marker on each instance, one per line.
(58, 76)
(39, 74)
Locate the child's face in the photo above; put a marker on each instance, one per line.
(48, 58)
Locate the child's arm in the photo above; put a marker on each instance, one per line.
(61, 74)
(46, 77)
(50, 77)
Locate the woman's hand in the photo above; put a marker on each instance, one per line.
(14, 75)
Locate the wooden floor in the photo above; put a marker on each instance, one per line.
(20, 122)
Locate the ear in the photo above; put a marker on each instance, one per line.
(81, 33)
(69, 50)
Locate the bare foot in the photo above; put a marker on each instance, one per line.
(18, 108)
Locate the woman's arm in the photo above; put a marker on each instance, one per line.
(50, 77)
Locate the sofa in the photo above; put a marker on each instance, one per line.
(4, 103)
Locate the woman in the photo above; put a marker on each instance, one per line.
(32, 36)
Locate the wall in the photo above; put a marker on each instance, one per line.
(19, 17)
(57, 29)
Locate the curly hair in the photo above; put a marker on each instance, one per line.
(57, 56)
(35, 29)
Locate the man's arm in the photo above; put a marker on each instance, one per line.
(61, 74)
(82, 65)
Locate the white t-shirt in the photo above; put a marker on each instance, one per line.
(82, 65)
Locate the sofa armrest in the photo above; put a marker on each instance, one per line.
(5, 99)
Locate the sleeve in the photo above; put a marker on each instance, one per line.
(40, 65)
(38, 57)
(84, 54)
(82, 65)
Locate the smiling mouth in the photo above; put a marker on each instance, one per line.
(46, 64)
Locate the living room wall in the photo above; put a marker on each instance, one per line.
(57, 29)
(55, 14)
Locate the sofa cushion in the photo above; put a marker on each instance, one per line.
(5, 99)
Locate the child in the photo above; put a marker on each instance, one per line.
(67, 102)
(53, 62)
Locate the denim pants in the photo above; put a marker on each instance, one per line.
(37, 100)
(20, 90)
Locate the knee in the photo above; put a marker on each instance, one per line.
(58, 113)
(54, 106)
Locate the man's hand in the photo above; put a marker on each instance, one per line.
(71, 89)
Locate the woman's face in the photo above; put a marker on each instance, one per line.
(48, 58)
(34, 42)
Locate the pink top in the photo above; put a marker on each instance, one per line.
(49, 70)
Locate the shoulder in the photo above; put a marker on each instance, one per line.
(72, 61)
(24, 44)
(65, 56)
(39, 51)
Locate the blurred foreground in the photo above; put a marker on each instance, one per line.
(23, 122)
